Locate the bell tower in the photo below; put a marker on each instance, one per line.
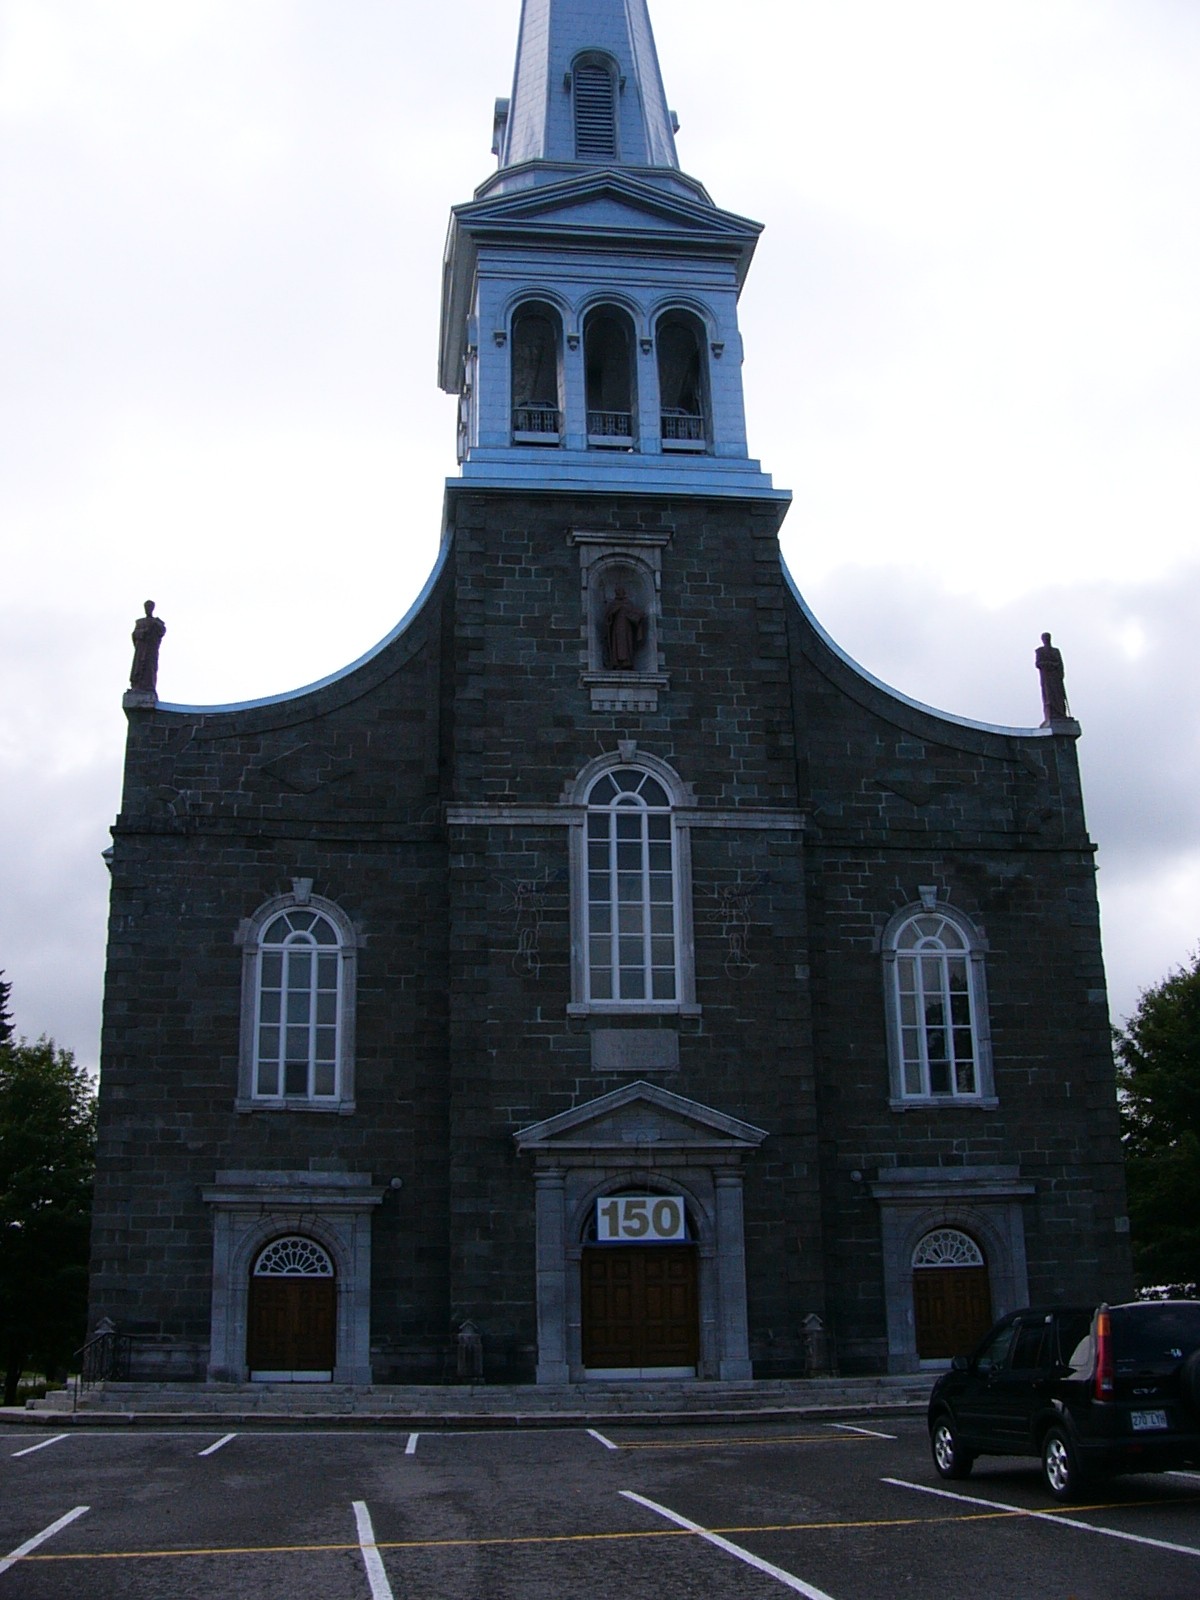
(589, 311)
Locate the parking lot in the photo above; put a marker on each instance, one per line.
(851, 1511)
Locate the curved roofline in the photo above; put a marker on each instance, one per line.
(894, 694)
(334, 677)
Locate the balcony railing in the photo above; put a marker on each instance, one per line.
(610, 430)
(536, 425)
(683, 430)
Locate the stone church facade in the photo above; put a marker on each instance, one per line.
(604, 962)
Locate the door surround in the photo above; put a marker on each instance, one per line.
(987, 1203)
(252, 1208)
(641, 1135)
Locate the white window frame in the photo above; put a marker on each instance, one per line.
(582, 1000)
(903, 1095)
(251, 936)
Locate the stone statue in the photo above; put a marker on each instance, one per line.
(1049, 663)
(624, 630)
(147, 636)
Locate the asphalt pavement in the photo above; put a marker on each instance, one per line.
(846, 1510)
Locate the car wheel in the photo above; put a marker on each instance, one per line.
(949, 1458)
(1060, 1466)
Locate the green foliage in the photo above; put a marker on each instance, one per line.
(1158, 1067)
(6, 1023)
(47, 1148)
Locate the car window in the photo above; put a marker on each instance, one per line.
(994, 1352)
(1027, 1352)
(1073, 1338)
(1155, 1337)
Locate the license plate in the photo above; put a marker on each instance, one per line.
(1144, 1420)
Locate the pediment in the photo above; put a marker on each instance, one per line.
(637, 1116)
(605, 202)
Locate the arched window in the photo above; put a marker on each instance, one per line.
(937, 1008)
(594, 88)
(681, 382)
(631, 900)
(608, 369)
(536, 346)
(298, 1007)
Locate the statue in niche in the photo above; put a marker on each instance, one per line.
(1049, 663)
(147, 637)
(624, 630)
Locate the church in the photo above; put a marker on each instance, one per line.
(604, 974)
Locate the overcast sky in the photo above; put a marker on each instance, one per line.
(972, 340)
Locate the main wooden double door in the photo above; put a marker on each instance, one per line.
(640, 1306)
(292, 1326)
(952, 1309)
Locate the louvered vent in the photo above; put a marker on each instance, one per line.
(595, 122)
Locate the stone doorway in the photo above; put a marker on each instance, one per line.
(640, 1310)
(291, 1332)
(952, 1296)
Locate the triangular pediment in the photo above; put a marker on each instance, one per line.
(606, 202)
(639, 1115)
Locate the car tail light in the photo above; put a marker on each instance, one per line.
(1105, 1367)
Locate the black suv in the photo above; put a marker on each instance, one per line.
(1089, 1390)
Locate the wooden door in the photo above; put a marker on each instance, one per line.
(292, 1325)
(640, 1306)
(953, 1310)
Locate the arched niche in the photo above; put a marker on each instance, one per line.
(536, 374)
(623, 620)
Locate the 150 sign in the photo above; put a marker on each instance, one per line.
(640, 1219)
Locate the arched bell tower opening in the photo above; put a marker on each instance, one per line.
(536, 374)
(683, 387)
(608, 377)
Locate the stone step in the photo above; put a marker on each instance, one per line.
(466, 1405)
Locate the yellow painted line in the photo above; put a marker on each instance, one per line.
(719, 1443)
(517, 1540)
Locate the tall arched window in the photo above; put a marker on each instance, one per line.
(631, 921)
(536, 345)
(298, 1007)
(937, 1008)
(608, 375)
(594, 88)
(680, 345)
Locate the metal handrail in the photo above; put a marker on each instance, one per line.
(106, 1355)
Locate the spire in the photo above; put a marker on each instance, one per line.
(587, 87)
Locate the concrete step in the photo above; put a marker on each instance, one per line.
(464, 1405)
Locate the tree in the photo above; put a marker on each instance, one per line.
(6, 1026)
(1158, 1068)
(47, 1147)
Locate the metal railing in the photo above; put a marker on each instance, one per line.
(614, 425)
(106, 1355)
(544, 422)
(682, 427)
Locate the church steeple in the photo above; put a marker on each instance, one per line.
(589, 308)
(587, 87)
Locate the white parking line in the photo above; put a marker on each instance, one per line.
(410, 1449)
(381, 1589)
(867, 1433)
(213, 1448)
(600, 1439)
(45, 1442)
(788, 1579)
(1048, 1516)
(14, 1556)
